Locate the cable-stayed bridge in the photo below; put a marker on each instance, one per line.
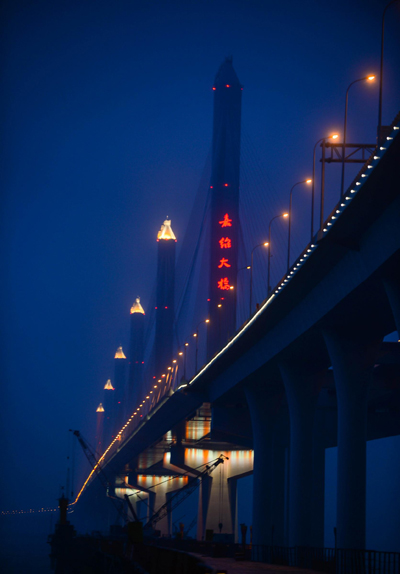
(304, 369)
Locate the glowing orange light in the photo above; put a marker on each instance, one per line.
(308, 180)
(225, 243)
(225, 184)
(207, 320)
(166, 231)
(335, 136)
(370, 78)
(226, 222)
(227, 85)
(214, 89)
(285, 215)
(223, 263)
(224, 284)
(119, 354)
(136, 307)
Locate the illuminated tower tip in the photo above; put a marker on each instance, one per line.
(120, 353)
(100, 408)
(136, 307)
(108, 386)
(166, 231)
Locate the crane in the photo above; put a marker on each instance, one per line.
(184, 492)
(95, 464)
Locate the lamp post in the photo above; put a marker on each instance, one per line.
(183, 353)
(248, 267)
(269, 250)
(265, 244)
(290, 217)
(381, 72)
(368, 78)
(196, 335)
(333, 136)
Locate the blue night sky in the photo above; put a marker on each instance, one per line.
(106, 130)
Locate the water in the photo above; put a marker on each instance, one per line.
(23, 544)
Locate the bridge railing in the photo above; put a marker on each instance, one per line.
(330, 560)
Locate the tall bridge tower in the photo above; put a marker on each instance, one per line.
(109, 406)
(165, 302)
(224, 186)
(119, 385)
(136, 354)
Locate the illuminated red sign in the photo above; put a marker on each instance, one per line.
(224, 284)
(226, 222)
(225, 243)
(223, 263)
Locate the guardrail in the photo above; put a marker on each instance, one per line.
(329, 560)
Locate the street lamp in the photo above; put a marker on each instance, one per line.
(369, 78)
(265, 244)
(196, 334)
(269, 250)
(290, 217)
(333, 136)
(381, 72)
(183, 353)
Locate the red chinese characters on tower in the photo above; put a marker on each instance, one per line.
(223, 263)
(224, 243)
(226, 222)
(224, 284)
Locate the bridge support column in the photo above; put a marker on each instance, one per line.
(318, 477)
(352, 362)
(278, 492)
(264, 406)
(392, 289)
(302, 394)
(204, 499)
